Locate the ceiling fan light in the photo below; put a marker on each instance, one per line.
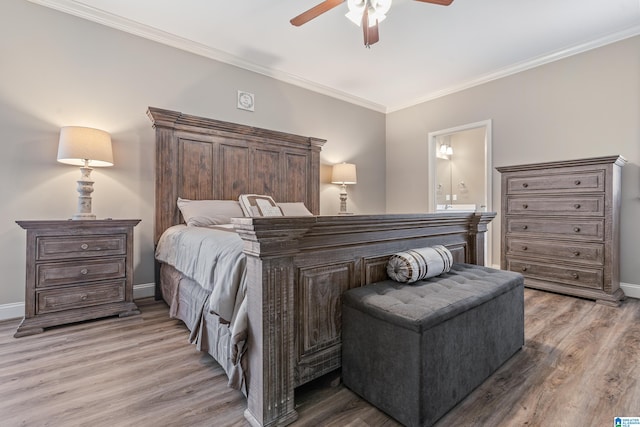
(382, 6)
(355, 17)
(376, 17)
(377, 11)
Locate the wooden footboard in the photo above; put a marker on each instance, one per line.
(297, 270)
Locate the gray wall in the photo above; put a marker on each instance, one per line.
(586, 105)
(59, 70)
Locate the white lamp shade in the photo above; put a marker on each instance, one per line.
(344, 173)
(78, 144)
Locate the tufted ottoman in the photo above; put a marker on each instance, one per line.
(415, 351)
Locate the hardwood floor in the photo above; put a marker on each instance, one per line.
(580, 366)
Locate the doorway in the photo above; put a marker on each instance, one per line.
(460, 171)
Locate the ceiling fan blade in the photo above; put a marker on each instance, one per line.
(440, 2)
(371, 34)
(315, 11)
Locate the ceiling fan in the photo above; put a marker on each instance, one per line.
(365, 13)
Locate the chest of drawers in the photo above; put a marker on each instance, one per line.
(77, 270)
(560, 226)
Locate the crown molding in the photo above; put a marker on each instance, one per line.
(523, 66)
(89, 13)
(75, 8)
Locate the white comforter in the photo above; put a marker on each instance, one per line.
(212, 257)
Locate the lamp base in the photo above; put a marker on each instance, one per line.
(343, 201)
(85, 188)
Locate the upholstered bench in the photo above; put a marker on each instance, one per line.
(416, 350)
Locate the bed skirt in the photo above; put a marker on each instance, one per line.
(188, 301)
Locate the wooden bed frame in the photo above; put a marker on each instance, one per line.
(297, 267)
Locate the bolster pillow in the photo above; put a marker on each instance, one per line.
(417, 264)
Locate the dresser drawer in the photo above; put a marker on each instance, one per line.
(62, 273)
(59, 299)
(57, 247)
(570, 275)
(581, 229)
(592, 181)
(585, 253)
(570, 205)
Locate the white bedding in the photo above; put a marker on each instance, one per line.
(212, 257)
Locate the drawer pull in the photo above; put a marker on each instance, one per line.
(84, 271)
(577, 206)
(84, 297)
(576, 229)
(525, 185)
(524, 268)
(524, 227)
(84, 246)
(576, 182)
(576, 253)
(525, 206)
(575, 275)
(524, 248)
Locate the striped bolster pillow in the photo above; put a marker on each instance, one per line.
(417, 264)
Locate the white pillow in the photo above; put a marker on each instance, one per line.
(256, 205)
(204, 213)
(294, 209)
(417, 264)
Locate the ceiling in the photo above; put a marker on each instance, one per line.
(425, 51)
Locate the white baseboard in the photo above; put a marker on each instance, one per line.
(144, 290)
(15, 310)
(631, 290)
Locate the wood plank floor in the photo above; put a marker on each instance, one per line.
(580, 366)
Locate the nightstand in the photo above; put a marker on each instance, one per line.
(77, 270)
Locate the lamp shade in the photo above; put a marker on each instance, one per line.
(78, 144)
(344, 173)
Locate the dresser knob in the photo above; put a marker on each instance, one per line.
(84, 271)
(576, 253)
(525, 185)
(84, 246)
(524, 227)
(525, 206)
(576, 182)
(577, 206)
(524, 248)
(83, 297)
(576, 229)
(525, 268)
(575, 275)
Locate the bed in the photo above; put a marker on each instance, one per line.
(296, 267)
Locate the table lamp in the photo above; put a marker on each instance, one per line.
(344, 174)
(85, 147)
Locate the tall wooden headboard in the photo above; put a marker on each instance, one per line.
(199, 158)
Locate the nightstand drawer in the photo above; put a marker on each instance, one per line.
(561, 182)
(579, 229)
(63, 273)
(56, 247)
(584, 253)
(569, 275)
(570, 205)
(75, 297)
